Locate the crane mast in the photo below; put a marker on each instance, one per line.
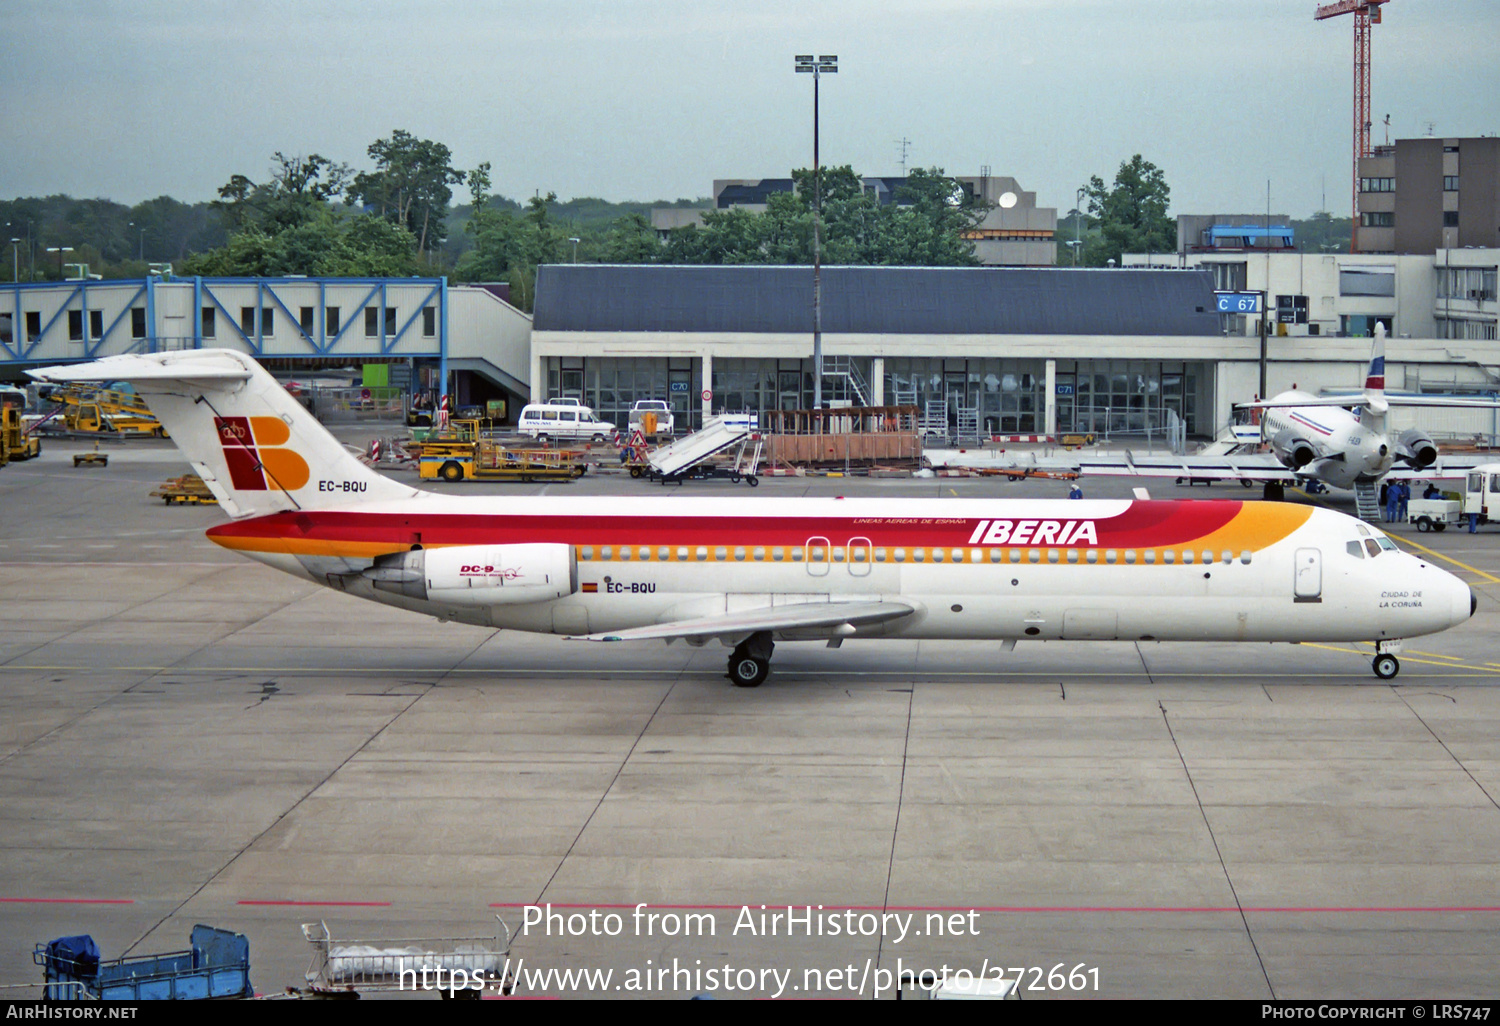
(1366, 13)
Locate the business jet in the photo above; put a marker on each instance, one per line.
(1340, 441)
(751, 572)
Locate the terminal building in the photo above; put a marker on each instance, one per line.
(1135, 352)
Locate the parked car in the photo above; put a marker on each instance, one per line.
(661, 411)
(546, 421)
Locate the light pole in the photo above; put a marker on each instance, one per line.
(132, 224)
(15, 260)
(1077, 225)
(817, 67)
(575, 249)
(59, 250)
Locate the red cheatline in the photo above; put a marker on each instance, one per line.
(321, 904)
(67, 901)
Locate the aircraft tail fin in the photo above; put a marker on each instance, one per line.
(1375, 402)
(1375, 376)
(255, 446)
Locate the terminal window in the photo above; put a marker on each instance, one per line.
(207, 322)
(331, 321)
(429, 322)
(137, 322)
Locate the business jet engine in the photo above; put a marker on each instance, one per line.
(478, 575)
(1294, 451)
(1417, 449)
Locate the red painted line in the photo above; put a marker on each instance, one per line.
(1149, 909)
(320, 904)
(67, 901)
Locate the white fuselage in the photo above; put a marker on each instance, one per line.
(1002, 569)
(1360, 437)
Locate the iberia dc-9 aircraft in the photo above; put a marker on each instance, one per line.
(751, 572)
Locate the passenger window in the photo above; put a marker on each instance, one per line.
(1015, 555)
(607, 552)
(1092, 556)
(996, 555)
(1150, 557)
(1130, 557)
(720, 553)
(663, 553)
(682, 554)
(625, 553)
(937, 555)
(880, 555)
(587, 552)
(901, 555)
(1073, 555)
(919, 555)
(759, 555)
(797, 555)
(702, 553)
(1110, 556)
(739, 553)
(1226, 556)
(567, 415)
(1052, 555)
(1034, 556)
(778, 553)
(1245, 557)
(1355, 549)
(1187, 555)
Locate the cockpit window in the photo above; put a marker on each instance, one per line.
(1355, 549)
(1372, 547)
(1362, 529)
(1386, 543)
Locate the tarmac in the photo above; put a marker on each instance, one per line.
(188, 737)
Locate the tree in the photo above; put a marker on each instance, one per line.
(409, 186)
(1131, 216)
(630, 240)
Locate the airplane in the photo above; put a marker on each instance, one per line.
(1339, 441)
(751, 572)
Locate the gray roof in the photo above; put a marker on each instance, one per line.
(875, 300)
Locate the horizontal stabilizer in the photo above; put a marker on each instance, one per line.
(801, 616)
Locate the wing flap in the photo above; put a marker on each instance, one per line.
(803, 616)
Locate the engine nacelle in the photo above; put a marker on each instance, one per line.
(1417, 449)
(479, 575)
(1293, 450)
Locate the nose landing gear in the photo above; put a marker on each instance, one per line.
(750, 662)
(1386, 666)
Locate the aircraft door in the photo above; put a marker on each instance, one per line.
(860, 555)
(819, 556)
(1307, 585)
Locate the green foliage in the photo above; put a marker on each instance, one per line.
(410, 185)
(326, 246)
(1131, 216)
(926, 226)
(1322, 233)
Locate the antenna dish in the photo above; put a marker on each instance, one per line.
(1007, 200)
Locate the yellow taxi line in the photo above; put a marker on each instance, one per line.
(1473, 570)
(1406, 656)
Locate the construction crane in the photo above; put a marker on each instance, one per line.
(1366, 13)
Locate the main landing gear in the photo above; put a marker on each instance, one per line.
(1386, 666)
(1274, 491)
(750, 662)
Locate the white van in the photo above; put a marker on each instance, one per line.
(1482, 492)
(546, 421)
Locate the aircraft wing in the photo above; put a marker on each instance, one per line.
(800, 616)
(1258, 467)
(1360, 399)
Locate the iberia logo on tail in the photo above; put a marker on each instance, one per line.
(257, 463)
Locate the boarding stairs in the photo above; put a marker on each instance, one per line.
(968, 423)
(1367, 501)
(718, 434)
(934, 418)
(845, 367)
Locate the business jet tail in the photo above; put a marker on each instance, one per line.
(255, 446)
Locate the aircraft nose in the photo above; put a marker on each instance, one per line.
(1473, 602)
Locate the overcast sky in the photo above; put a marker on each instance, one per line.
(653, 99)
